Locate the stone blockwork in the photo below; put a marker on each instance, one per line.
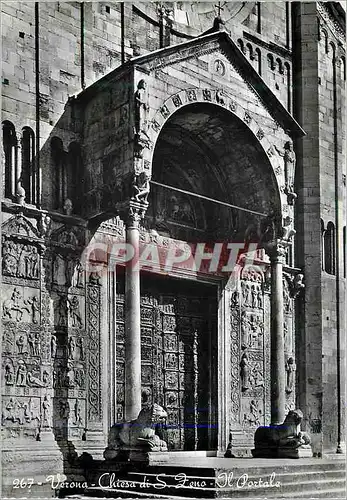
(321, 201)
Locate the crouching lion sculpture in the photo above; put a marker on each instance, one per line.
(134, 440)
(283, 441)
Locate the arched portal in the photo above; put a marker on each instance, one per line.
(185, 317)
(205, 149)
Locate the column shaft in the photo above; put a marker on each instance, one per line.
(132, 328)
(277, 344)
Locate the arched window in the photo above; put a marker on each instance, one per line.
(9, 140)
(75, 175)
(241, 45)
(28, 168)
(322, 231)
(59, 177)
(271, 62)
(258, 59)
(329, 249)
(279, 65)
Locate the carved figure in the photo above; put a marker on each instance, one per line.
(35, 308)
(253, 417)
(31, 343)
(21, 374)
(245, 328)
(37, 344)
(9, 411)
(247, 295)
(220, 97)
(94, 278)
(33, 264)
(142, 139)
(141, 106)
(68, 207)
(10, 261)
(62, 311)
(71, 347)
(13, 304)
(133, 440)
(27, 263)
(244, 372)
(289, 158)
(77, 410)
(20, 344)
(45, 377)
(284, 440)
(9, 375)
(254, 296)
(75, 312)
(22, 262)
(297, 284)
(141, 187)
(79, 378)
(79, 275)
(46, 411)
(260, 298)
(44, 225)
(69, 270)
(80, 346)
(34, 381)
(290, 374)
(287, 300)
(70, 378)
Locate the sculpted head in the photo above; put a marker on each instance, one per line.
(152, 414)
(294, 417)
(141, 84)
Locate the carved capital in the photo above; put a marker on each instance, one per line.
(134, 212)
(277, 250)
(296, 284)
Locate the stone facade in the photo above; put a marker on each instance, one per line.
(105, 104)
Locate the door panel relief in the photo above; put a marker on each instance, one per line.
(175, 350)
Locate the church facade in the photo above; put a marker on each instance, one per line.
(174, 225)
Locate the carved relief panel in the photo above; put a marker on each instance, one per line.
(45, 348)
(26, 367)
(289, 343)
(249, 363)
(252, 362)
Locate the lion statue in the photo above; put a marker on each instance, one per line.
(134, 440)
(284, 440)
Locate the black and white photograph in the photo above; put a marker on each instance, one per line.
(173, 250)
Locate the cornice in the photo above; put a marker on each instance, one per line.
(336, 25)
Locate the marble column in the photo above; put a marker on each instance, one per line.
(132, 390)
(278, 373)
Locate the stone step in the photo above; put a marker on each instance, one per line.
(297, 479)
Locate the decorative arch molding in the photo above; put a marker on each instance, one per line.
(222, 99)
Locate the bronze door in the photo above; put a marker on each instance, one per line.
(178, 349)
